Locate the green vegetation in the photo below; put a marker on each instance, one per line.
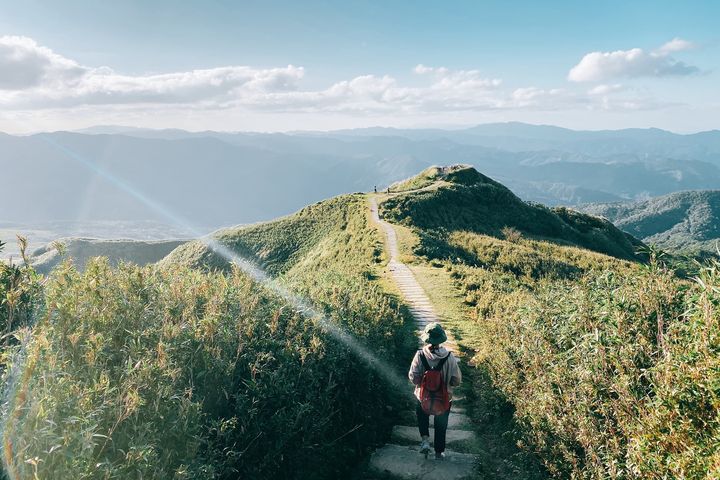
(481, 205)
(433, 176)
(424, 179)
(19, 293)
(584, 359)
(683, 222)
(179, 372)
(613, 375)
(603, 367)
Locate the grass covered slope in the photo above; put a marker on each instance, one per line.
(604, 367)
(460, 174)
(682, 221)
(466, 200)
(614, 375)
(180, 372)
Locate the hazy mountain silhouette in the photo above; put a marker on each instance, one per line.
(219, 178)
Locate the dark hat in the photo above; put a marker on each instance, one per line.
(433, 334)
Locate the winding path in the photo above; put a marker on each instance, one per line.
(402, 459)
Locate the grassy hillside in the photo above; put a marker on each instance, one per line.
(683, 221)
(599, 364)
(603, 366)
(179, 372)
(466, 200)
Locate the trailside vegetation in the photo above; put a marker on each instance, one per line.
(610, 367)
(176, 372)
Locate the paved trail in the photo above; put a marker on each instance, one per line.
(402, 459)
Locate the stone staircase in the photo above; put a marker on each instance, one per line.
(402, 457)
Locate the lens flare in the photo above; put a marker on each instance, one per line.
(301, 304)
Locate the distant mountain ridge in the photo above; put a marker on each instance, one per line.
(81, 250)
(210, 179)
(682, 221)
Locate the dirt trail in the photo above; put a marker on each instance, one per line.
(402, 458)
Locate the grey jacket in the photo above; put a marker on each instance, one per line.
(450, 371)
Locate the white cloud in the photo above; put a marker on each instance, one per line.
(34, 78)
(604, 89)
(603, 66)
(676, 45)
(25, 64)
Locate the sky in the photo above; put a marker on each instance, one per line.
(321, 65)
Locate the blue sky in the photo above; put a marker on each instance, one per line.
(225, 65)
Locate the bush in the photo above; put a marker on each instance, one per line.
(511, 234)
(19, 293)
(615, 376)
(173, 372)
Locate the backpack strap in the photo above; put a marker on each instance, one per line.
(424, 360)
(436, 367)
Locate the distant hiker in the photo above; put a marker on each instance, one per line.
(375, 188)
(434, 372)
(388, 190)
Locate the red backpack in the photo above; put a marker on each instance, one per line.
(434, 397)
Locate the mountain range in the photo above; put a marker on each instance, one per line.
(682, 221)
(205, 180)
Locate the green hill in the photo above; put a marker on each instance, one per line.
(601, 366)
(459, 198)
(682, 221)
(576, 354)
(172, 372)
(81, 250)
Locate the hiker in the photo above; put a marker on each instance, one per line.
(434, 372)
(375, 188)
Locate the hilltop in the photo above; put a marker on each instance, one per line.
(682, 221)
(459, 198)
(454, 198)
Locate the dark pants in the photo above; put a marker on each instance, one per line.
(440, 425)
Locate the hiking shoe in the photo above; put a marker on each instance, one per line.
(439, 455)
(425, 446)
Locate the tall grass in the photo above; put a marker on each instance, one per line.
(614, 376)
(19, 293)
(611, 368)
(179, 372)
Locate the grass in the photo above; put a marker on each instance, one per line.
(486, 207)
(596, 366)
(586, 363)
(424, 179)
(192, 370)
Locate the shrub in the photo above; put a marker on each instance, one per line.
(174, 372)
(614, 376)
(511, 234)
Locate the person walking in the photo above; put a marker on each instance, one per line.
(434, 372)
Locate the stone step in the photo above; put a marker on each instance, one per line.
(411, 435)
(407, 462)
